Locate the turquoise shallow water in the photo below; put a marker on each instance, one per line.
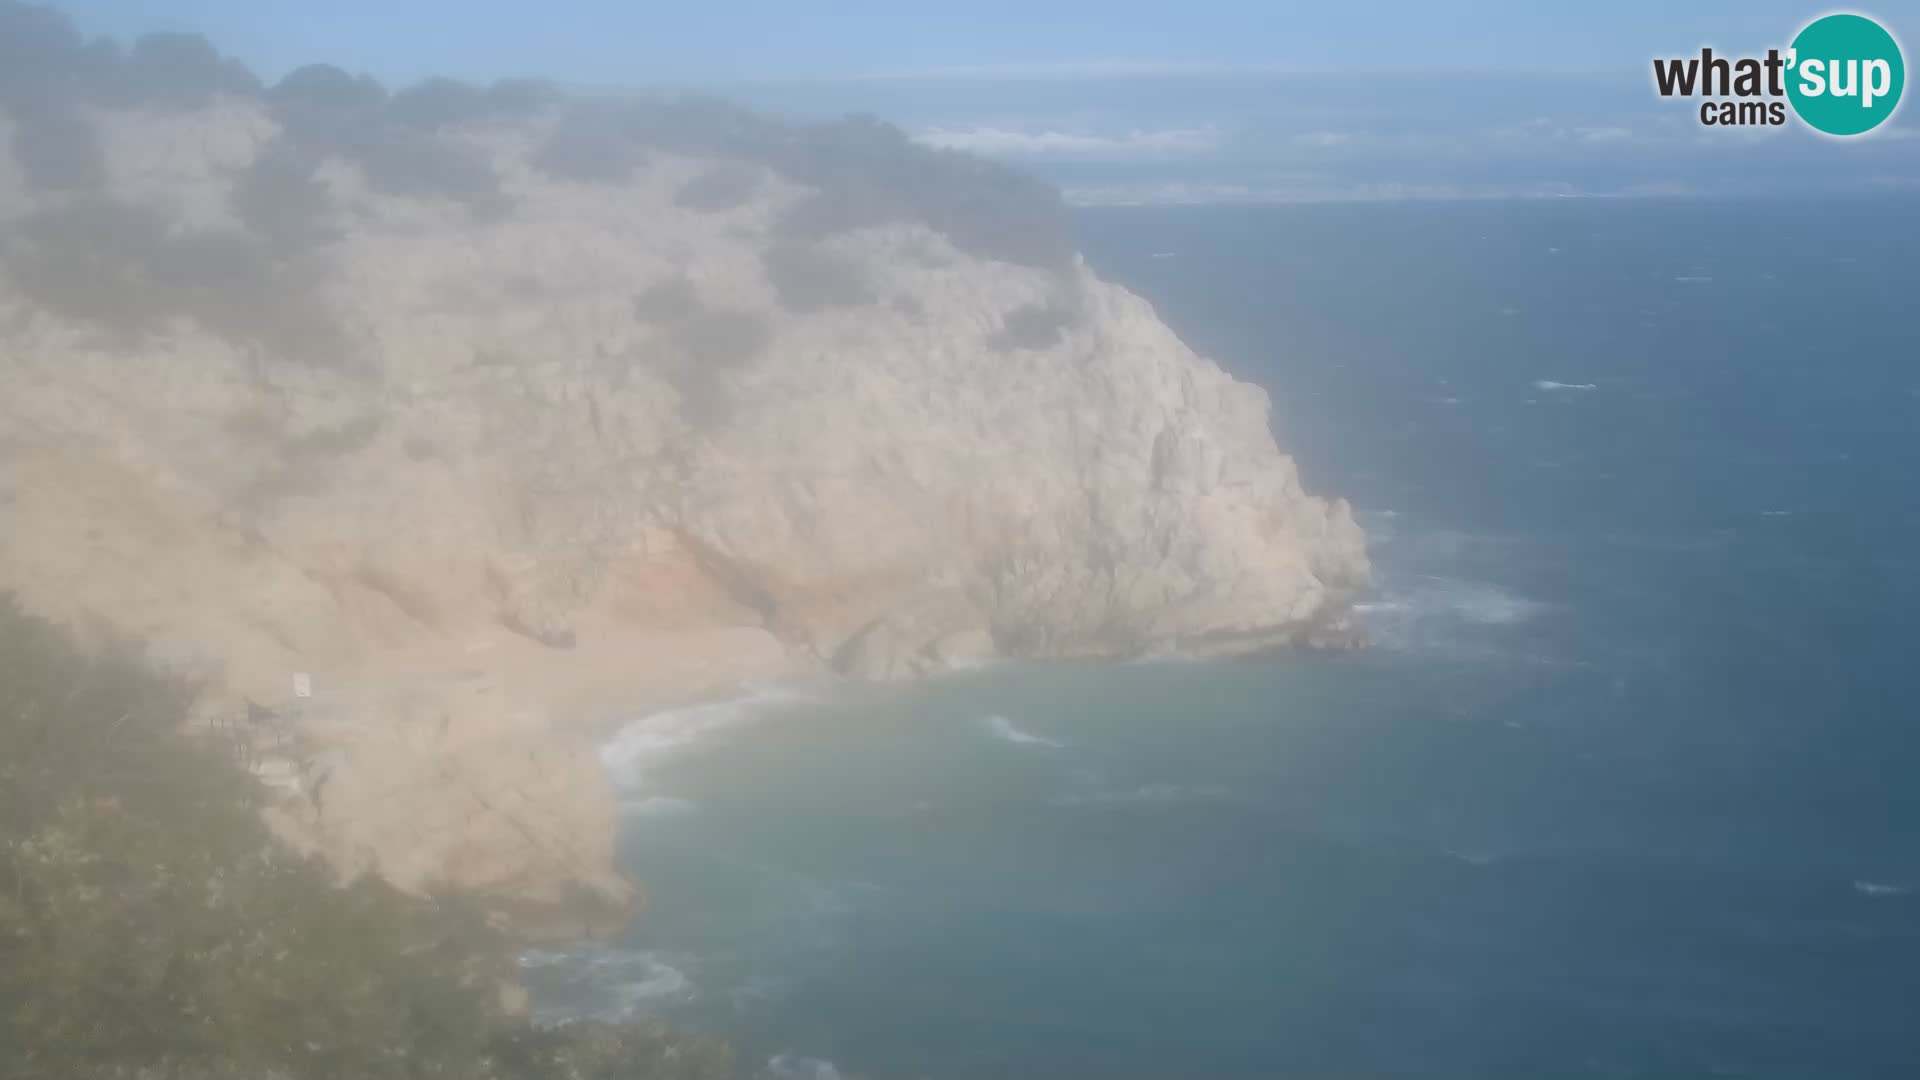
(1624, 788)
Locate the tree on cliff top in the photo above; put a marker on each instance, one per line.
(866, 172)
(151, 928)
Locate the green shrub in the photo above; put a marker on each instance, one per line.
(280, 198)
(325, 89)
(809, 278)
(405, 163)
(721, 187)
(588, 147)
(181, 71)
(870, 173)
(1032, 326)
(38, 50)
(150, 927)
(56, 146)
(118, 268)
(521, 97)
(667, 300)
(438, 103)
(323, 111)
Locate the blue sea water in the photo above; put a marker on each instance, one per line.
(1626, 786)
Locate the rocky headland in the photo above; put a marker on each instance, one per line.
(502, 417)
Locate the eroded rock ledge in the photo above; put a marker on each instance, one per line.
(499, 471)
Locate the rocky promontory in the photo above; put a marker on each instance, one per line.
(501, 416)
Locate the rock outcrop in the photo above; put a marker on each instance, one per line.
(497, 469)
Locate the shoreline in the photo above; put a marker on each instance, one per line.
(601, 724)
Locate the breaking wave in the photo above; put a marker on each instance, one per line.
(1454, 599)
(622, 983)
(1146, 795)
(662, 806)
(1005, 730)
(797, 1067)
(1550, 386)
(645, 742)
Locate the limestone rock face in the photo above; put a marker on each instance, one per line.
(497, 478)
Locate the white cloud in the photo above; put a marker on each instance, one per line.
(1131, 146)
(1542, 128)
(1071, 70)
(1303, 189)
(1323, 138)
(1537, 127)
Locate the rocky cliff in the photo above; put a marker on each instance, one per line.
(502, 417)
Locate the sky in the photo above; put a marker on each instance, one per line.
(606, 41)
(1143, 100)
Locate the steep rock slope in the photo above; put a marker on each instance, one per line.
(506, 423)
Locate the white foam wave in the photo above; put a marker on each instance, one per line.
(643, 743)
(1431, 614)
(1879, 888)
(1147, 795)
(789, 1066)
(539, 958)
(1553, 387)
(1382, 607)
(960, 665)
(1163, 654)
(624, 982)
(662, 806)
(1005, 730)
(659, 982)
(1470, 601)
(1694, 279)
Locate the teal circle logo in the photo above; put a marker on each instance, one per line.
(1845, 74)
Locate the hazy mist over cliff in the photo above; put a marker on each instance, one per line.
(501, 412)
(679, 542)
(1116, 105)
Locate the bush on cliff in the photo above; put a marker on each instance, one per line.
(57, 147)
(118, 267)
(588, 147)
(151, 928)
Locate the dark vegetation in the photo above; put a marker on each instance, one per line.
(56, 147)
(129, 274)
(280, 198)
(866, 172)
(151, 928)
(721, 187)
(119, 269)
(1031, 326)
(588, 146)
(810, 278)
(709, 344)
(666, 300)
(399, 142)
(870, 173)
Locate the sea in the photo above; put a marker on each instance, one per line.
(1628, 784)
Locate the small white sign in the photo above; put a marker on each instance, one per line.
(302, 685)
